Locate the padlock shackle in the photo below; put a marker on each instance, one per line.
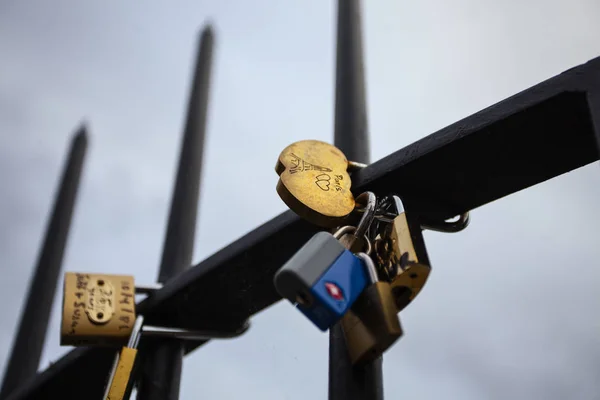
(355, 166)
(352, 230)
(398, 204)
(111, 377)
(133, 342)
(139, 329)
(148, 289)
(382, 214)
(136, 332)
(448, 227)
(186, 334)
(370, 204)
(369, 266)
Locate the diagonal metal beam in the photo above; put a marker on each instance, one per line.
(29, 339)
(591, 86)
(536, 135)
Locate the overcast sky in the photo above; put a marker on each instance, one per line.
(510, 310)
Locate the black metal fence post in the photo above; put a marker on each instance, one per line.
(593, 97)
(352, 137)
(162, 369)
(29, 340)
(496, 146)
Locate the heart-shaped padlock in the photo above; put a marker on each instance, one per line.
(314, 182)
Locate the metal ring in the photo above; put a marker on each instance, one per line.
(379, 215)
(187, 334)
(148, 289)
(354, 166)
(365, 221)
(136, 332)
(344, 229)
(446, 227)
(351, 229)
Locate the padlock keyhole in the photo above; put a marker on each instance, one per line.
(401, 296)
(303, 299)
(100, 315)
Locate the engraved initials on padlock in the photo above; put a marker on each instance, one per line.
(97, 309)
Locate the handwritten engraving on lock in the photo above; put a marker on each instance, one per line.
(126, 306)
(314, 182)
(100, 301)
(78, 307)
(98, 309)
(299, 165)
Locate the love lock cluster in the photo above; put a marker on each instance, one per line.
(362, 274)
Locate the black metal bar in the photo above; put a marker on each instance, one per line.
(31, 334)
(592, 84)
(162, 367)
(351, 132)
(352, 137)
(536, 135)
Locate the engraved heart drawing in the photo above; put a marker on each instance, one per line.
(306, 185)
(323, 182)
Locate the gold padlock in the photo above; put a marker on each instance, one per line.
(413, 262)
(119, 382)
(121, 378)
(402, 256)
(97, 309)
(372, 326)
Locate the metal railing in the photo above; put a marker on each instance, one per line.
(540, 133)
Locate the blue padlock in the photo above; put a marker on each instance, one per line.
(323, 279)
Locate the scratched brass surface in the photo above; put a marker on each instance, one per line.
(118, 386)
(314, 182)
(373, 326)
(97, 309)
(412, 273)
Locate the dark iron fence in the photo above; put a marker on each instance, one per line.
(538, 134)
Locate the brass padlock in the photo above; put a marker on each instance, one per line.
(372, 326)
(401, 253)
(119, 382)
(97, 309)
(121, 378)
